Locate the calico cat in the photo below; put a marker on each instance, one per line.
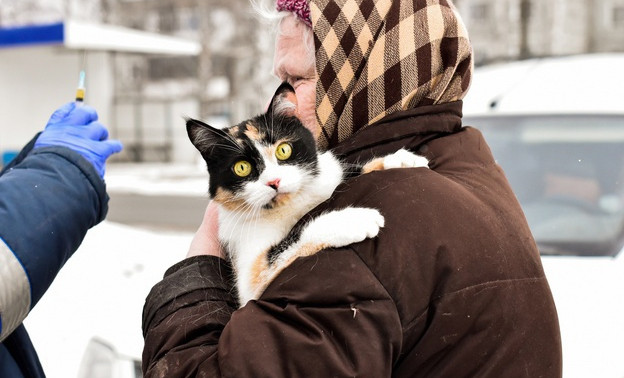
(265, 174)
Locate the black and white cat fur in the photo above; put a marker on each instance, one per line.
(262, 192)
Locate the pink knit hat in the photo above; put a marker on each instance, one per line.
(300, 8)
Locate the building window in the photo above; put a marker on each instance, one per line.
(178, 67)
(618, 17)
(188, 20)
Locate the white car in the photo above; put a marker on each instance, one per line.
(556, 126)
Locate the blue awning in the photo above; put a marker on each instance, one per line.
(80, 35)
(49, 34)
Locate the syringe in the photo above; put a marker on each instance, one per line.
(80, 92)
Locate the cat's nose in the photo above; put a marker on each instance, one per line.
(274, 183)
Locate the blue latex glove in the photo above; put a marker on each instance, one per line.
(76, 127)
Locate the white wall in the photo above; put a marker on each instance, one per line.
(159, 121)
(34, 81)
(183, 149)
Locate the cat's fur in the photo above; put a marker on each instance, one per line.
(257, 212)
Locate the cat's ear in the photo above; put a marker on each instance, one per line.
(284, 102)
(203, 136)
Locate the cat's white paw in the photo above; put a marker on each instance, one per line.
(343, 227)
(405, 159)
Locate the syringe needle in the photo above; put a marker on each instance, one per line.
(80, 92)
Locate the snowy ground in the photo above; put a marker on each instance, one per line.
(101, 290)
(158, 179)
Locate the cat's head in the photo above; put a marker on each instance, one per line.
(262, 163)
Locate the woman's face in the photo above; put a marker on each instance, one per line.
(294, 63)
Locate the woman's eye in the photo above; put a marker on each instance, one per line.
(242, 168)
(283, 151)
(295, 81)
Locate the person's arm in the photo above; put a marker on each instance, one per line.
(205, 241)
(50, 195)
(326, 315)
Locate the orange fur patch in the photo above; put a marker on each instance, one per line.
(309, 250)
(252, 132)
(259, 272)
(233, 131)
(270, 150)
(227, 200)
(262, 278)
(373, 165)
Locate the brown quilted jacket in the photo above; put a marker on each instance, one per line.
(452, 287)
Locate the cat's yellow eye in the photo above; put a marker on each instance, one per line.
(283, 151)
(242, 168)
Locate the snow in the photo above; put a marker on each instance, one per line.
(101, 290)
(158, 179)
(587, 293)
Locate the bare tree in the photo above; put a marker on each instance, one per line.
(525, 18)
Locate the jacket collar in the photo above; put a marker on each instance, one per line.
(407, 129)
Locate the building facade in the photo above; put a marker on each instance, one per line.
(503, 30)
(231, 79)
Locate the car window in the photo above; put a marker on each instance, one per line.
(568, 174)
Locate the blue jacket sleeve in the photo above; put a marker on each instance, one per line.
(49, 198)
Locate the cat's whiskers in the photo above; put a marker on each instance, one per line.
(352, 167)
(229, 147)
(272, 120)
(270, 123)
(242, 207)
(241, 149)
(252, 224)
(240, 216)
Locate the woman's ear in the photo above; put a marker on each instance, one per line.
(284, 102)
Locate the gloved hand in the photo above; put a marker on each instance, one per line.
(75, 127)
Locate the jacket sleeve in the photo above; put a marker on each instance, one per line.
(49, 198)
(325, 315)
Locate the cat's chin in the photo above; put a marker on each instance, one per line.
(279, 200)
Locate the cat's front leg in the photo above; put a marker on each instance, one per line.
(334, 229)
(400, 159)
(339, 228)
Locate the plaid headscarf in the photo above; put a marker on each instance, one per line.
(377, 57)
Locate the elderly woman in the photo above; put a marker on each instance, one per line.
(452, 286)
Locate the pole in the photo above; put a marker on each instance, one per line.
(525, 16)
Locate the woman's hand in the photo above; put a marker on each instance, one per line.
(206, 240)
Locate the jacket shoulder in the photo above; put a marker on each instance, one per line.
(449, 261)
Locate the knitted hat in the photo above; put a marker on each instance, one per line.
(300, 8)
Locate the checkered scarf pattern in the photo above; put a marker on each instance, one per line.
(377, 57)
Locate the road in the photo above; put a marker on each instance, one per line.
(168, 212)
